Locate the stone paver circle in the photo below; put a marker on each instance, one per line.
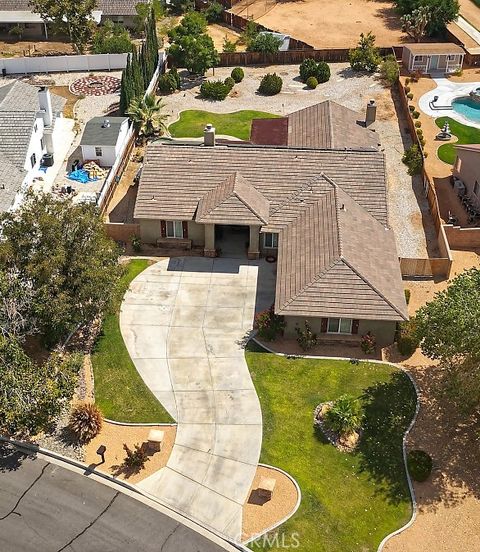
(95, 85)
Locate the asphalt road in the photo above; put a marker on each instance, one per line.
(47, 508)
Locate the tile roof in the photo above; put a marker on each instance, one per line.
(233, 201)
(108, 7)
(176, 177)
(97, 134)
(11, 180)
(326, 125)
(434, 48)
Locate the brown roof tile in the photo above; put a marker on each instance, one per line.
(434, 48)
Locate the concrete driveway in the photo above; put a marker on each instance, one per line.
(184, 322)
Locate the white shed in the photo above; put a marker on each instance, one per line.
(103, 138)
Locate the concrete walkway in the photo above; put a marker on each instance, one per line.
(184, 321)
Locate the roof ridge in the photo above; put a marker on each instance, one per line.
(337, 212)
(330, 124)
(254, 211)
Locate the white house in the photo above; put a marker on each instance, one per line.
(27, 128)
(428, 57)
(103, 139)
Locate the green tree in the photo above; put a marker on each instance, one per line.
(62, 249)
(193, 24)
(214, 11)
(143, 10)
(442, 12)
(266, 43)
(17, 297)
(390, 70)
(181, 6)
(72, 17)
(195, 53)
(111, 39)
(365, 56)
(229, 46)
(413, 159)
(415, 23)
(146, 114)
(32, 395)
(250, 32)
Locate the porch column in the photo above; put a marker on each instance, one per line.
(254, 246)
(209, 250)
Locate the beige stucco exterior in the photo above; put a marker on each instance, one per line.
(467, 169)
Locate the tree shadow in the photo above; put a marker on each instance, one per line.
(11, 458)
(389, 408)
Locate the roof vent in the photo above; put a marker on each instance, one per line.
(342, 207)
(106, 123)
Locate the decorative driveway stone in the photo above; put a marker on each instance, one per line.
(184, 322)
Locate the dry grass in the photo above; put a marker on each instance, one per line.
(64, 92)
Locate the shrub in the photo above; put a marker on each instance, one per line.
(422, 141)
(312, 83)
(135, 458)
(270, 85)
(410, 96)
(411, 108)
(368, 343)
(307, 69)
(306, 338)
(418, 124)
(413, 159)
(323, 72)
(229, 82)
(229, 46)
(213, 12)
(415, 114)
(365, 57)
(214, 90)
(85, 421)
(237, 74)
(268, 324)
(419, 465)
(389, 70)
(136, 243)
(167, 84)
(266, 43)
(175, 76)
(407, 81)
(407, 89)
(407, 296)
(407, 340)
(419, 132)
(345, 415)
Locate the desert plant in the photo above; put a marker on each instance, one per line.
(237, 74)
(422, 141)
(413, 159)
(306, 338)
(411, 108)
(418, 124)
(135, 458)
(368, 343)
(270, 85)
(268, 324)
(214, 90)
(407, 340)
(345, 415)
(390, 70)
(419, 132)
(419, 465)
(407, 296)
(312, 82)
(229, 82)
(415, 114)
(85, 421)
(407, 89)
(136, 243)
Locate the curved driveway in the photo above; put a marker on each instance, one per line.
(184, 322)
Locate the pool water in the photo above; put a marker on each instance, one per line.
(468, 108)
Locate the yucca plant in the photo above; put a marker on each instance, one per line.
(344, 416)
(86, 421)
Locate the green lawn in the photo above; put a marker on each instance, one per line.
(119, 390)
(238, 124)
(349, 501)
(464, 133)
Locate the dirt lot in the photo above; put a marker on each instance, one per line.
(220, 32)
(327, 24)
(9, 48)
(470, 12)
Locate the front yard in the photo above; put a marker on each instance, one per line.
(349, 501)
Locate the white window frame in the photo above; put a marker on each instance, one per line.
(33, 160)
(339, 328)
(98, 149)
(272, 238)
(174, 229)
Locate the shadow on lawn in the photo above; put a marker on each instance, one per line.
(389, 408)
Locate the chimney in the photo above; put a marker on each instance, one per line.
(371, 115)
(45, 103)
(209, 135)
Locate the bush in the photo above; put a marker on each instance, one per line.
(307, 69)
(365, 57)
(312, 83)
(229, 82)
(214, 11)
(237, 74)
(85, 421)
(268, 324)
(229, 46)
(419, 132)
(415, 114)
(323, 72)
(111, 38)
(345, 415)
(413, 159)
(306, 338)
(418, 124)
(175, 76)
(214, 90)
(368, 343)
(422, 141)
(167, 84)
(419, 465)
(135, 458)
(270, 85)
(411, 108)
(410, 96)
(407, 81)
(136, 243)
(266, 43)
(407, 340)
(389, 70)
(407, 89)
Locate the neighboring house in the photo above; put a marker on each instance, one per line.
(103, 139)
(19, 12)
(467, 170)
(285, 44)
(430, 57)
(27, 127)
(321, 212)
(326, 125)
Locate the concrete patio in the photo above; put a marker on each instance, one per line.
(184, 322)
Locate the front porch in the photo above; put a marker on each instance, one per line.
(232, 240)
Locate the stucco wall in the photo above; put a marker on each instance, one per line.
(150, 230)
(107, 159)
(35, 145)
(196, 233)
(469, 171)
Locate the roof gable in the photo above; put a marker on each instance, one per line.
(233, 201)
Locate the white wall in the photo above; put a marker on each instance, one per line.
(107, 159)
(35, 146)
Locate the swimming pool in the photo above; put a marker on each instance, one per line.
(468, 108)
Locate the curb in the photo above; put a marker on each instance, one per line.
(405, 435)
(139, 424)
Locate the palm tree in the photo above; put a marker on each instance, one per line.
(146, 114)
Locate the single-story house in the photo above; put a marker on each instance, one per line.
(322, 213)
(428, 57)
(28, 117)
(467, 170)
(103, 139)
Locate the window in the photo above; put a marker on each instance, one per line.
(98, 151)
(340, 325)
(451, 57)
(476, 187)
(33, 160)
(174, 229)
(270, 240)
(35, 128)
(42, 143)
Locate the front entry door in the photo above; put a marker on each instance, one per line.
(434, 62)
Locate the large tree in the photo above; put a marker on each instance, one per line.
(72, 17)
(146, 114)
(442, 12)
(32, 395)
(415, 23)
(17, 297)
(62, 250)
(196, 53)
(266, 43)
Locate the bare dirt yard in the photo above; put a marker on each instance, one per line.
(34, 47)
(326, 23)
(471, 12)
(220, 32)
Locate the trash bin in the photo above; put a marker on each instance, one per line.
(75, 164)
(47, 160)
